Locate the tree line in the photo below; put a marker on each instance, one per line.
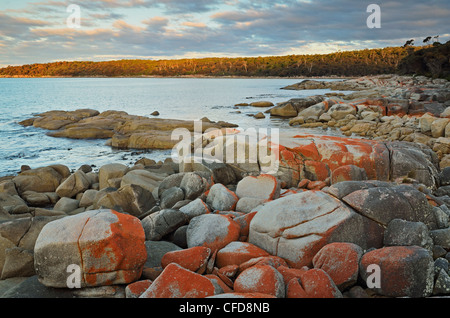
(342, 63)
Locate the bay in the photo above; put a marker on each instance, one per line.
(174, 98)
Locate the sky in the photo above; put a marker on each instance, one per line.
(42, 31)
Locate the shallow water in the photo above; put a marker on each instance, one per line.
(175, 98)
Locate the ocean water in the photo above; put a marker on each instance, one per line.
(175, 98)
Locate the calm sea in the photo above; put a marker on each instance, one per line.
(176, 98)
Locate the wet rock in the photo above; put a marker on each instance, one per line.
(262, 104)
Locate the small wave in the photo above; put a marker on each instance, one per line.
(22, 155)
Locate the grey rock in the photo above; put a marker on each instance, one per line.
(442, 284)
(32, 288)
(170, 197)
(441, 237)
(162, 223)
(156, 250)
(171, 181)
(385, 204)
(440, 264)
(194, 185)
(404, 233)
(19, 262)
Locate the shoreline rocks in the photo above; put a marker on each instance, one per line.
(335, 213)
(291, 243)
(385, 107)
(122, 130)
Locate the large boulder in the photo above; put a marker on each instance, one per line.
(265, 187)
(44, 179)
(111, 171)
(146, 179)
(297, 226)
(214, 231)
(221, 198)
(107, 246)
(130, 198)
(76, 183)
(341, 262)
(404, 202)
(293, 157)
(178, 282)
(161, 223)
(404, 271)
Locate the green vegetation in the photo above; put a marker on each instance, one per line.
(432, 61)
(348, 63)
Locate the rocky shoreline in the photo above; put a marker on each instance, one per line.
(387, 107)
(336, 212)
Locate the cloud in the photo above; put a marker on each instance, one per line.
(181, 28)
(194, 24)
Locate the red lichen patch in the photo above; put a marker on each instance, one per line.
(178, 282)
(319, 170)
(404, 270)
(112, 252)
(229, 270)
(194, 259)
(308, 151)
(237, 253)
(341, 262)
(314, 283)
(136, 289)
(271, 260)
(316, 185)
(260, 279)
(220, 282)
(290, 273)
(303, 184)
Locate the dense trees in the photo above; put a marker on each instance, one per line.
(348, 63)
(432, 61)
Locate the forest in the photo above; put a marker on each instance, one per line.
(340, 64)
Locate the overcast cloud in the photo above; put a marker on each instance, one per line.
(36, 31)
